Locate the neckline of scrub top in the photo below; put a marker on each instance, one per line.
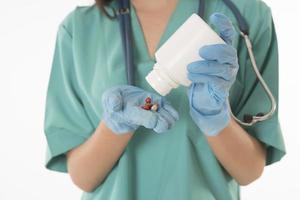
(170, 27)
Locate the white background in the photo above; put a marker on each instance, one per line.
(27, 36)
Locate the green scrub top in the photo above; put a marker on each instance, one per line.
(178, 164)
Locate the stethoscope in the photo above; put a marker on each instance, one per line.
(123, 14)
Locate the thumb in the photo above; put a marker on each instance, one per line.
(224, 26)
(112, 100)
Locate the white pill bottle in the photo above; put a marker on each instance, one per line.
(182, 48)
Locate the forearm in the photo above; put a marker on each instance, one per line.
(89, 163)
(240, 154)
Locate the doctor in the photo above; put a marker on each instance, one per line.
(190, 148)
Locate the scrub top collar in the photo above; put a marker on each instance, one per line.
(138, 33)
(177, 17)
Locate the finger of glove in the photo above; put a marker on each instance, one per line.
(208, 67)
(112, 100)
(219, 86)
(139, 116)
(133, 95)
(167, 116)
(224, 26)
(171, 110)
(202, 101)
(207, 78)
(221, 53)
(162, 125)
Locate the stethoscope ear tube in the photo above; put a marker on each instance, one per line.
(201, 8)
(125, 26)
(243, 26)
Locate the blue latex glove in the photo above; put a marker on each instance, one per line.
(212, 79)
(123, 113)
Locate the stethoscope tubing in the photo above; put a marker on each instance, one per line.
(268, 115)
(126, 33)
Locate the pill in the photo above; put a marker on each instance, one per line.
(154, 107)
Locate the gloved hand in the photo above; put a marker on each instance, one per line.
(123, 113)
(212, 79)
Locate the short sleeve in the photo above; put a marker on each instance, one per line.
(254, 99)
(66, 124)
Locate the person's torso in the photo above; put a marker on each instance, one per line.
(175, 165)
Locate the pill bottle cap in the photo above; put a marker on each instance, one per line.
(160, 81)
